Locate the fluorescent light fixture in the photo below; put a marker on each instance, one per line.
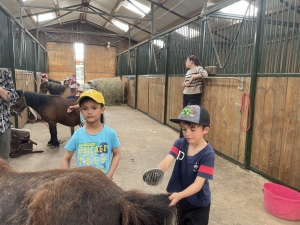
(45, 16)
(187, 32)
(131, 7)
(239, 8)
(159, 43)
(122, 26)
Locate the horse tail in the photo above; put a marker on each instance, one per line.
(138, 208)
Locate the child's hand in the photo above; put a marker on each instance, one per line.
(175, 197)
(109, 176)
(70, 109)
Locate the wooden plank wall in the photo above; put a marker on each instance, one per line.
(61, 60)
(174, 99)
(276, 143)
(142, 94)
(130, 85)
(24, 81)
(131, 93)
(222, 99)
(157, 97)
(99, 62)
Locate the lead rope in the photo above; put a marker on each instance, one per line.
(246, 112)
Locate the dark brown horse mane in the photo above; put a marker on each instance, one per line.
(35, 99)
(54, 88)
(54, 81)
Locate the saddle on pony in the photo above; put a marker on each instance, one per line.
(20, 143)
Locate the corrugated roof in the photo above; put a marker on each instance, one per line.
(167, 13)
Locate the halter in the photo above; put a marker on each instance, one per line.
(19, 110)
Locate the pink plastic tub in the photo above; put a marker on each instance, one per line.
(281, 201)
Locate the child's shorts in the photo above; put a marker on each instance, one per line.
(189, 214)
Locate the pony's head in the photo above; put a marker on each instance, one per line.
(52, 88)
(44, 87)
(18, 108)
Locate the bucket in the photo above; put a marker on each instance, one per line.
(281, 201)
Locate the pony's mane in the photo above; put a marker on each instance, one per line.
(35, 100)
(54, 81)
(56, 89)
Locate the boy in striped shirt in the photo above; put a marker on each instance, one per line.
(194, 165)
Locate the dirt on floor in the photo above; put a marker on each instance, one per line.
(237, 196)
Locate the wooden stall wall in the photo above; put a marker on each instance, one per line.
(174, 99)
(61, 60)
(24, 81)
(275, 142)
(223, 100)
(131, 92)
(156, 97)
(128, 84)
(142, 94)
(99, 62)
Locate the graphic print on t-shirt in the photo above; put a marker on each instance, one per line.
(93, 154)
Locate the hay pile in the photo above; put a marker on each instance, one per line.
(111, 88)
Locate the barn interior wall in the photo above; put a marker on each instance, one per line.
(253, 99)
(22, 55)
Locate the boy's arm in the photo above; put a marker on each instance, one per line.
(65, 164)
(190, 190)
(165, 163)
(114, 162)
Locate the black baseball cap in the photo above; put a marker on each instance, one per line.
(193, 114)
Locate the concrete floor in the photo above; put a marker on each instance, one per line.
(237, 197)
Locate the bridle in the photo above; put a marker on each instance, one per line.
(18, 112)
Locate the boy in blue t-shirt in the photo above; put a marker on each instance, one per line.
(95, 144)
(194, 165)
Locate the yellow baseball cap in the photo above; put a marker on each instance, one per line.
(93, 94)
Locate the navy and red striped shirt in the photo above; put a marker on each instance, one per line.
(187, 168)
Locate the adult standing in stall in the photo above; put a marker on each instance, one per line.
(8, 97)
(193, 82)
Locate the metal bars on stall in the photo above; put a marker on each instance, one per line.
(281, 40)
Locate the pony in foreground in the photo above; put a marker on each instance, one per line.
(52, 108)
(82, 196)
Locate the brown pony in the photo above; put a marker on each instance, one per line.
(78, 196)
(55, 88)
(52, 108)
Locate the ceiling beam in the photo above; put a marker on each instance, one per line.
(81, 11)
(167, 9)
(50, 21)
(108, 21)
(85, 7)
(137, 22)
(112, 12)
(57, 13)
(53, 30)
(20, 3)
(33, 14)
(93, 9)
